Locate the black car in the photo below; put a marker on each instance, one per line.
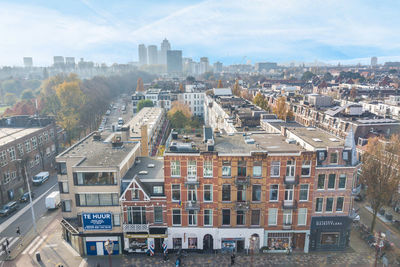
(25, 197)
(8, 209)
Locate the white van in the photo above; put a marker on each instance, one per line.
(120, 121)
(40, 178)
(53, 200)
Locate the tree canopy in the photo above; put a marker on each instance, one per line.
(308, 75)
(281, 110)
(144, 103)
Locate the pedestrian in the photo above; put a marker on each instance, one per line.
(178, 261)
(233, 259)
(5, 248)
(7, 243)
(18, 231)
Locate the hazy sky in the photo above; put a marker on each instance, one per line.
(232, 31)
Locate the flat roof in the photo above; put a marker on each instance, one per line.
(147, 115)
(316, 137)
(8, 135)
(142, 164)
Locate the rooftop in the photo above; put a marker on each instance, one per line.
(316, 137)
(147, 116)
(8, 135)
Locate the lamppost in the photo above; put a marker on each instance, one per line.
(252, 241)
(380, 237)
(109, 245)
(30, 195)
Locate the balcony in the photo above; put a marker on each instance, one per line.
(242, 180)
(192, 181)
(291, 180)
(289, 204)
(135, 227)
(242, 205)
(287, 226)
(192, 205)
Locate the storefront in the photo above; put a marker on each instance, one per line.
(229, 245)
(140, 243)
(330, 233)
(94, 245)
(240, 239)
(279, 241)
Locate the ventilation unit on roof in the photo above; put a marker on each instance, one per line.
(311, 129)
(143, 172)
(290, 141)
(151, 165)
(317, 140)
(334, 139)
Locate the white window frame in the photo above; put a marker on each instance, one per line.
(175, 168)
(28, 146)
(172, 193)
(208, 168)
(211, 192)
(339, 211)
(192, 214)
(192, 193)
(20, 148)
(326, 204)
(180, 217)
(116, 219)
(303, 212)
(287, 217)
(34, 143)
(272, 220)
(191, 170)
(322, 205)
(3, 158)
(6, 177)
(37, 159)
(257, 166)
(345, 181)
(277, 198)
(273, 165)
(306, 165)
(308, 192)
(11, 153)
(291, 168)
(211, 217)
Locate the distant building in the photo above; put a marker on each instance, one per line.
(217, 67)
(152, 54)
(265, 66)
(204, 67)
(174, 61)
(165, 46)
(142, 54)
(58, 61)
(70, 61)
(374, 61)
(28, 62)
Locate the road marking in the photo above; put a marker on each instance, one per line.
(31, 244)
(12, 219)
(68, 246)
(2, 240)
(51, 245)
(12, 241)
(37, 245)
(83, 263)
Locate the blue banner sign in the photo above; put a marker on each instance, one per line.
(97, 221)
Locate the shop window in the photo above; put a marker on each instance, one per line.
(226, 168)
(208, 217)
(226, 192)
(176, 217)
(303, 192)
(318, 204)
(302, 216)
(329, 238)
(226, 217)
(339, 204)
(321, 182)
(192, 243)
(331, 181)
(256, 193)
(208, 169)
(208, 193)
(329, 204)
(192, 218)
(334, 158)
(242, 169)
(192, 170)
(241, 193)
(278, 241)
(272, 216)
(306, 168)
(275, 168)
(177, 243)
(175, 168)
(290, 168)
(255, 217)
(342, 181)
(158, 215)
(273, 192)
(257, 169)
(176, 192)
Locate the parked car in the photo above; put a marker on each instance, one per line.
(40, 178)
(8, 208)
(108, 112)
(25, 197)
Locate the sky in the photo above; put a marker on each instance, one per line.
(230, 31)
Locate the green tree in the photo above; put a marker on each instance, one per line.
(308, 75)
(178, 120)
(190, 79)
(144, 103)
(10, 99)
(27, 94)
(328, 76)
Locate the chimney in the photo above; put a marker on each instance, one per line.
(125, 131)
(144, 141)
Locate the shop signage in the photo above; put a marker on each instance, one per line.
(97, 221)
(146, 236)
(330, 222)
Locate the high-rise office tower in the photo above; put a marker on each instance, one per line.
(217, 67)
(152, 53)
(204, 67)
(142, 54)
(28, 62)
(165, 46)
(174, 61)
(374, 61)
(58, 61)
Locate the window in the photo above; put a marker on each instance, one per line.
(116, 219)
(290, 166)
(95, 178)
(226, 168)
(6, 177)
(273, 192)
(242, 169)
(329, 238)
(208, 169)
(226, 192)
(192, 169)
(3, 158)
(48, 151)
(241, 193)
(287, 217)
(66, 206)
(275, 168)
(13, 175)
(11, 153)
(176, 217)
(175, 168)
(37, 159)
(31, 163)
(318, 204)
(192, 218)
(331, 181)
(329, 204)
(256, 193)
(158, 215)
(240, 217)
(208, 193)
(63, 187)
(208, 220)
(321, 182)
(45, 136)
(158, 190)
(192, 193)
(257, 169)
(226, 217)
(20, 148)
(34, 143)
(334, 158)
(303, 192)
(40, 139)
(103, 199)
(135, 193)
(255, 217)
(192, 242)
(176, 192)
(339, 203)
(306, 168)
(136, 215)
(272, 216)
(342, 181)
(27, 146)
(302, 216)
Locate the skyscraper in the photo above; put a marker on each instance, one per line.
(152, 53)
(174, 61)
(374, 61)
(28, 62)
(165, 46)
(204, 67)
(142, 54)
(217, 67)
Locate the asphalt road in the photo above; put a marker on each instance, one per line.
(117, 112)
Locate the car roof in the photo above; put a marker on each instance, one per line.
(11, 203)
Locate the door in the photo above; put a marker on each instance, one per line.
(100, 248)
(208, 243)
(240, 246)
(299, 241)
(158, 245)
(289, 193)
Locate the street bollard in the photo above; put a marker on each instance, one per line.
(38, 256)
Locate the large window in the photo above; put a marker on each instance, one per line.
(319, 203)
(11, 153)
(158, 214)
(342, 181)
(242, 170)
(136, 215)
(104, 199)
(27, 146)
(175, 168)
(255, 217)
(20, 148)
(290, 167)
(34, 143)
(226, 168)
(272, 216)
(66, 206)
(192, 218)
(334, 158)
(331, 181)
(208, 169)
(192, 169)
(329, 204)
(3, 158)
(256, 193)
(287, 217)
(240, 217)
(208, 193)
(302, 216)
(241, 193)
(273, 192)
(303, 192)
(306, 168)
(208, 217)
(226, 192)
(226, 217)
(329, 238)
(95, 178)
(176, 217)
(192, 193)
(257, 169)
(275, 168)
(176, 192)
(63, 187)
(339, 203)
(321, 182)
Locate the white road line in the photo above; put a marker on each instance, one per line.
(30, 245)
(12, 241)
(37, 245)
(2, 240)
(83, 263)
(51, 245)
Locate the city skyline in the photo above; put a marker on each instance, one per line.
(222, 31)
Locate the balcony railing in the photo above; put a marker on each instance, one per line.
(287, 226)
(289, 180)
(192, 205)
(242, 205)
(135, 227)
(239, 180)
(191, 181)
(289, 204)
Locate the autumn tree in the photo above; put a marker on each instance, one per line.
(139, 86)
(281, 110)
(353, 92)
(220, 84)
(260, 101)
(181, 88)
(236, 88)
(179, 114)
(380, 172)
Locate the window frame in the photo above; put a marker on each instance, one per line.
(336, 156)
(270, 214)
(316, 205)
(192, 218)
(175, 166)
(303, 214)
(180, 217)
(230, 192)
(291, 168)
(255, 193)
(306, 166)
(223, 216)
(341, 176)
(257, 165)
(251, 217)
(208, 168)
(191, 169)
(210, 215)
(337, 201)
(334, 181)
(172, 193)
(319, 176)
(270, 193)
(240, 218)
(329, 199)
(308, 192)
(226, 165)
(208, 190)
(159, 209)
(274, 164)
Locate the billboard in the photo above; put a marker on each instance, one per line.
(97, 221)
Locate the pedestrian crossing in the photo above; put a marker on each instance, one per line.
(12, 241)
(34, 245)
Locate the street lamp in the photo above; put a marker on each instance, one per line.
(30, 195)
(109, 245)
